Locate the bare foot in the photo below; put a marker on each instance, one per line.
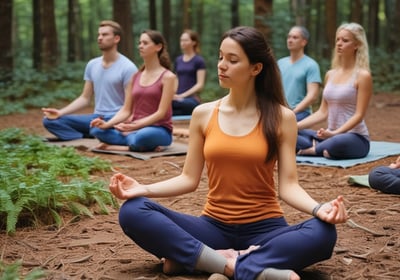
(107, 147)
(326, 154)
(273, 273)
(160, 148)
(231, 257)
(171, 267)
(231, 253)
(309, 151)
(101, 146)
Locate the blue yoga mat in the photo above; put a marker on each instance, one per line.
(378, 150)
(182, 118)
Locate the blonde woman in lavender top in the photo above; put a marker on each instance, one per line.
(347, 92)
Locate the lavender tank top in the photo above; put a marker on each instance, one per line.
(342, 102)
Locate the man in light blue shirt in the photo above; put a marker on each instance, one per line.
(301, 75)
(106, 78)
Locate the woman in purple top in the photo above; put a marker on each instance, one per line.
(191, 71)
(344, 102)
(144, 123)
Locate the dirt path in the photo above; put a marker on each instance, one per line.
(96, 248)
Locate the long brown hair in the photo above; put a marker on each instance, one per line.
(268, 84)
(163, 54)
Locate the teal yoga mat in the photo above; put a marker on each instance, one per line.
(378, 150)
(358, 180)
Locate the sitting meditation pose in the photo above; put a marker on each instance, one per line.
(190, 69)
(347, 92)
(144, 123)
(301, 76)
(386, 178)
(239, 138)
(106, 79)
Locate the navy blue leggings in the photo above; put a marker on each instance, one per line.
(70, 127)
(385, 179)
(184, 106)
(181, 237)
(142, 140)
(342, 146)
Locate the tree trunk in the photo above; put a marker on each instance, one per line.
(152, 14)
(74, 26)
(45, 35)
(373, 23)
(299, 9)
(166, 19)
(262, 12)
(200, 16)
(318, 42)
(331, 25)
(356, 11)
(187, 23)
(392, 11)
(122, 15)
(235, 13)
(6, 56)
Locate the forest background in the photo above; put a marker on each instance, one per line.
(46, 43)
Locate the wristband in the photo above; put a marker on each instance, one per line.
(316, 208)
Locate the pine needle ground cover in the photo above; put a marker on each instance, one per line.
(39, 181)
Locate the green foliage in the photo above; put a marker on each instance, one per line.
(37, 179)
(12, 272)
(31, 89)
(385, 70)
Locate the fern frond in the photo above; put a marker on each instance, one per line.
(78, 209)
(12, 219)
(57, 218)
(102, 204)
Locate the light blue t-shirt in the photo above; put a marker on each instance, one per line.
(296, 76)
(109, 83)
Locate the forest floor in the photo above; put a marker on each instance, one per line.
(96, 248)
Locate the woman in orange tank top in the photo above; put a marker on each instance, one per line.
(241, 233)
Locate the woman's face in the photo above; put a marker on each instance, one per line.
(346, 44)
(147, 47)
(186, 42)
(234, 68)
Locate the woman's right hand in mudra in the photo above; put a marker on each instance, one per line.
(121, 186)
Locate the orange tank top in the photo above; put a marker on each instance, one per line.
(241, 183)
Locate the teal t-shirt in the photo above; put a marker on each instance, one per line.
(296, 76)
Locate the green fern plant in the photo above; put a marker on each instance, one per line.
(12, 272)
(37, 181)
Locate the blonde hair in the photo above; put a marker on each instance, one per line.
(362, 52)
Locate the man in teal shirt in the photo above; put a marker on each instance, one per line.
(301, 75)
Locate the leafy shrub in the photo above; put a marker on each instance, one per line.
(38, 180)
(12, 272)
(32, 89)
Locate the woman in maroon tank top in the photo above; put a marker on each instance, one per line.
(144, 123)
